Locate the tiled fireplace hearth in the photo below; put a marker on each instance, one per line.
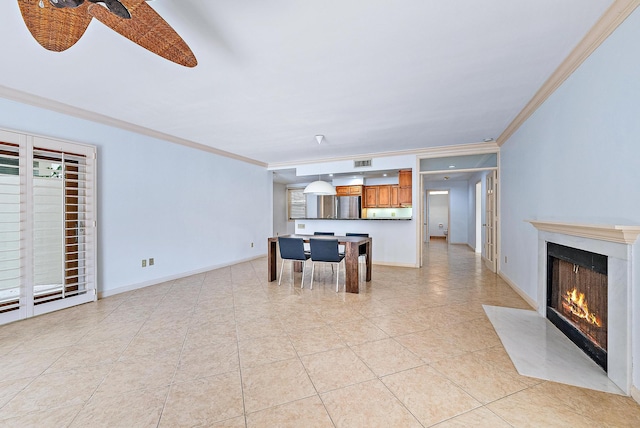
(614, 242)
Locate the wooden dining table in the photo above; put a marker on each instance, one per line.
(352, 246)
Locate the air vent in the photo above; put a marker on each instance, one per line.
(361, 163)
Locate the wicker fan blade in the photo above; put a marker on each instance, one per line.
(56, 29)
(147, 29)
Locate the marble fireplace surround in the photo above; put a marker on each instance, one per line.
(615, 242)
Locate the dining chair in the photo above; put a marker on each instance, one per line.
(325, 251)
(292, 249)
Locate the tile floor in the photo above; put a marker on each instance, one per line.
(228, 349)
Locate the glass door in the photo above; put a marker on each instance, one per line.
(47, 218)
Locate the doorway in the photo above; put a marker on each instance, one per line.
(438, 215)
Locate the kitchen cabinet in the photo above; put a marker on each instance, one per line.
(390, 195)
(370, 196)
(348, 190)
(384, 196)
(404, 178)
(405, 189)
(394, 196)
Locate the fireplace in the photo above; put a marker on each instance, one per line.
(577, 298)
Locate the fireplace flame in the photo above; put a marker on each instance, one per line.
(575, 302)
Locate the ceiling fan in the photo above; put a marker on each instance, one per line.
(59, 24)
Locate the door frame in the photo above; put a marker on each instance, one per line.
(462, 150)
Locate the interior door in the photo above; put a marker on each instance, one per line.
(491, 222)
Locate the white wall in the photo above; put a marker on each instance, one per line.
(280, 221)
(576, 159)
(389, 237)
(189, 209)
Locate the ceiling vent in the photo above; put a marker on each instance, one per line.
(361, 163)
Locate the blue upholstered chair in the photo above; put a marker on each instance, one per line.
(293, 249)
(325, 251)
(324, 233)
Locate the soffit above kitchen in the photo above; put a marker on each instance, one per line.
(372, 77)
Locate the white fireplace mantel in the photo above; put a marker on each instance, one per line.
(612, 233)
(616, 243)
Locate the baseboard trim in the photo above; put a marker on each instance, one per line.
(406, 265)
(635, 394)
(156, 281)
(518, 290)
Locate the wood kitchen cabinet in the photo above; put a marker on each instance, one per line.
(370, 196)
(384, 196)
(394, 196)
(404, 178)
(348, 190)
(405, 189)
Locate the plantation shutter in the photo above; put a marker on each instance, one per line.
(297, 204)
(47, 225)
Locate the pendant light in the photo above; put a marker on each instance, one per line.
(320, 188)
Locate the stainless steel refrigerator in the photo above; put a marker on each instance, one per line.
(349, 207)
(326, 207)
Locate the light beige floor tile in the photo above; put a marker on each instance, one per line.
(276, 383)
(208, 360)
(479, 378)
(123, 410)
(17, 366)
(498, 358)
(398, 324)
(478, 418)
(336, 369)
(181, 333)
(308, 413)
(203, 401)
(602, 408)
(10, 388)
(54, 417)
(367, 404)
(357, 332)
(430, 396)
(317, 339)
(259, 327)
(431, 344)
(238, 422)
(140, 373)
(265, 350)
(533, 408)
(92, 354)
(386, 356)
(59, 389)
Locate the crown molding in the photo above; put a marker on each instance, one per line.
(610, 20)
(620, 234)
(41, 102)
(430, 152)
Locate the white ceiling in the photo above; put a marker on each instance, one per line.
(371, 76)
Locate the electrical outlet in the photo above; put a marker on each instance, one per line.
(505, 259)
(144, 262)
(252, 245)
(151, 261)
(300, 225)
